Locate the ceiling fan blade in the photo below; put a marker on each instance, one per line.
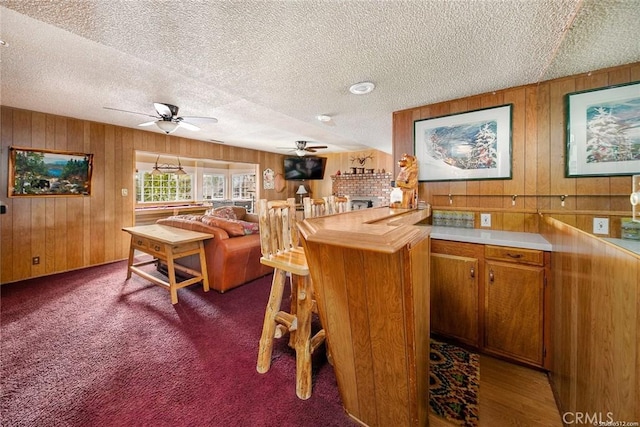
(188, 126)
(148, 123)
(318, 146)
(165, 110)
(127, 111)
(197, 119)
(310, 149)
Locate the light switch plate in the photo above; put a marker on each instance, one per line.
(485, 220)
(600, 225)
(125, 192)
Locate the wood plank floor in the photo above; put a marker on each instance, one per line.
(511, 395)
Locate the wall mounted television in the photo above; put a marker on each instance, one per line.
(304, 168)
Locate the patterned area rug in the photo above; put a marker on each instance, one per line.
(453, 383)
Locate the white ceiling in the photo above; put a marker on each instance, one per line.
(266, 69)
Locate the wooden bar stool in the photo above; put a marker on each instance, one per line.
(314, 207)
(280, 250)
(341, 204)
(337, 204)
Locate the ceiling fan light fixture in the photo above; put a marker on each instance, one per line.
(300, 153)
(362, 88)
(167, 126)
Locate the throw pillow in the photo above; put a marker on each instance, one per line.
(226, 212)
(190, 217)
(250, 227)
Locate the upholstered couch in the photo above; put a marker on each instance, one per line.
(233, 254)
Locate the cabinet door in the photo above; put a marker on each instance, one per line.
(514, 310)
(454, 297)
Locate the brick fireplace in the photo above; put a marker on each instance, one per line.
(361, 187)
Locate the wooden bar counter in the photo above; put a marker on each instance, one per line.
(370, 272)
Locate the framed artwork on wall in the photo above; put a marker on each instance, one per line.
(35, 172)
(467, 146)
(603, 131)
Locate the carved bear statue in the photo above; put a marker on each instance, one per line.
(407, 180)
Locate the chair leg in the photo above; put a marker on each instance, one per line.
(269, 325)
(304, 304)
(293, 283)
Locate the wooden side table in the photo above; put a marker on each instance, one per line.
(167, 244)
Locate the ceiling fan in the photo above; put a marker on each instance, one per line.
(302, 148)
(167, 118)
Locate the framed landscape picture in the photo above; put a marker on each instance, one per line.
(35, 172)
(466, 146)
(603, 131)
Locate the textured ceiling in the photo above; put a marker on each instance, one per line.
(266, 69)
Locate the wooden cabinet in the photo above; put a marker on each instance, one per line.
(454, 289)
(491, 297)
(514, 303)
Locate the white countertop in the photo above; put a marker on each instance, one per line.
(630, 245)
(514, 239)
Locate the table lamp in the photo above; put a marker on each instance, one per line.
(301, 191)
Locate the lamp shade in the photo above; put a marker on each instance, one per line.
(301, 190)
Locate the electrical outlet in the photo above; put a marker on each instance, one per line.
(485, 220)
(600, 225)
(35, 260)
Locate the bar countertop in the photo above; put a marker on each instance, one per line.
(492, 237)
(381, 229)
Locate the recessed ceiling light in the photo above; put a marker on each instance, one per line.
(3, 43)
(362, 88)
(324, 118)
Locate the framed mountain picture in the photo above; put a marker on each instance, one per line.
(466, 146)
(603, 131)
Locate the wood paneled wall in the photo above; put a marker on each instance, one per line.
(596, 324)
(74, 232)
(538, 180)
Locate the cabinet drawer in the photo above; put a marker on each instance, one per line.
(139, 243)
(471, 250)
(156, 249)
(502, 253)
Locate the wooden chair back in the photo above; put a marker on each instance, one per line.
(314, 207)
(278, 230)
(342, 204)
(337, 204)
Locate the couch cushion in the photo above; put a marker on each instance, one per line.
(186, 224)
(234, 227)
(231, 226)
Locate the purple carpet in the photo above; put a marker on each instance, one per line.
(86, 348)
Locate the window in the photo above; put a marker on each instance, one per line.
(206, 181)
(213, 186)
(243, 186)
(166, 187)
